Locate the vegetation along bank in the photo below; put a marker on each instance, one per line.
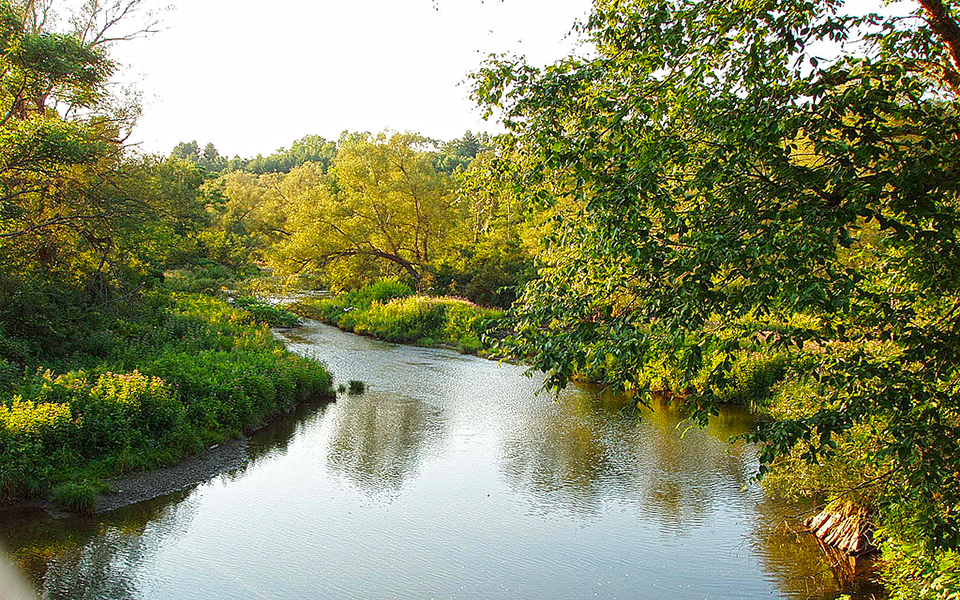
(390, 310)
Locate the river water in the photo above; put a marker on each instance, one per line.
(450, 477)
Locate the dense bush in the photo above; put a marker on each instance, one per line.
(405, 320)
(185, 370)
(337, 310)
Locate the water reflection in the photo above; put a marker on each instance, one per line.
(89, 558)
(560, 458)
(492, 492)
(591, 449)
(379, 440)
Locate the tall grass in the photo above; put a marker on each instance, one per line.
(389, 310)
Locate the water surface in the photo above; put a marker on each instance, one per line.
(451, 477)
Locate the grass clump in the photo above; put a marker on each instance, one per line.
(77, 496)
(356, 387)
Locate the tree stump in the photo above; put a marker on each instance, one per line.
(844, 526)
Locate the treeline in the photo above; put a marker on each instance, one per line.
(452, 156)
(371, 207)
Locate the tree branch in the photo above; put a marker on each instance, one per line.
(945, 26)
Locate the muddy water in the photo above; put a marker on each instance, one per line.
(451, 477)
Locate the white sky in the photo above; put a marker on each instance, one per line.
(252, 76)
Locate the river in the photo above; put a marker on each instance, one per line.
(450, 477)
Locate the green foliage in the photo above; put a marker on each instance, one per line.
(33, 439)
(310, 148)
(356, 387)
(488, 273)
(266, 313)
(404, 321)
(382, 209)
(183, 369)
(208, 278)
(912, 572)
(753, 377)
(387, 310)
(341, 310)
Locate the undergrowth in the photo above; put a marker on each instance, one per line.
(176, 372)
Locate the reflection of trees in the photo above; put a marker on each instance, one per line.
(685, 472)
(588, 449)
(379, 441)
(560, 456)
(94, 558)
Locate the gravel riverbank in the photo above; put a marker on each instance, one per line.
(196, 469)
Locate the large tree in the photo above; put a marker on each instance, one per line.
(383, 201)
(727, 189)
(62, 190)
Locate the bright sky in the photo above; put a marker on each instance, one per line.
(253, 76)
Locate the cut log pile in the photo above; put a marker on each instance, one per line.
(845, 526)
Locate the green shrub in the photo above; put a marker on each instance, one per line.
(754, 376)
(387, 310)
(342, 309)
(129, 410)
(34, 438)
(382, 291)
(192, 369)
(405, 320)
(356, 387)
(79, 497)
(912, 572)
(206, 277)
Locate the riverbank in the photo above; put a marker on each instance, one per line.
(389, 310)
(191, 471)
(174, 376)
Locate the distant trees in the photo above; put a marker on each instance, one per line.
(310, 148)
(383, 201)
(209, 159)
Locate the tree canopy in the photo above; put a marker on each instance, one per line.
(728, 190)
(384, 201)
